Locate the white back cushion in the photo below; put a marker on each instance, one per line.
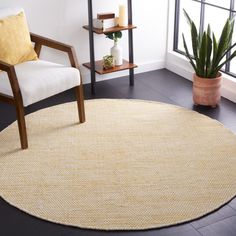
(5, 12)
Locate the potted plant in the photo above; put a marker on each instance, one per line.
(207, 59)
(116, 50)
(108, 62)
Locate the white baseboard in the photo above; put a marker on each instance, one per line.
(179, 65)
(142, 67)
(228, 89)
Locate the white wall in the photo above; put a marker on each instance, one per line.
(63, 20)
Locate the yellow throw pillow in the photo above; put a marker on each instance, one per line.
(15, 44)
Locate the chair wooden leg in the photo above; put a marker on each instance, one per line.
(21, 126)
(80, 102)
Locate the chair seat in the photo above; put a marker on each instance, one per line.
(40, 79)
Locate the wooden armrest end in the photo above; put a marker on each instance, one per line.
(5, 66)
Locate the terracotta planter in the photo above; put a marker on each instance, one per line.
(206, 91)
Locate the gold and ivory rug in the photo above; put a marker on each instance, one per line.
(132, 165)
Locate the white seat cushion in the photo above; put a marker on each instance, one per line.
(40, 79)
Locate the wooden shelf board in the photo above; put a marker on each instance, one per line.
(109, 30)
(99, 68)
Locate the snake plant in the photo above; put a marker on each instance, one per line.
(209, 54)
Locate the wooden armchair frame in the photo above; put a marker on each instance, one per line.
(16, 99)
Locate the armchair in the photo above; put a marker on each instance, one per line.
(31, 81)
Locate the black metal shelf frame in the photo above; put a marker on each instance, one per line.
(91, 44)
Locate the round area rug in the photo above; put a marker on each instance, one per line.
(132, 165)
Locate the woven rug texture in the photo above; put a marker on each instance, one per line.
(133, 165)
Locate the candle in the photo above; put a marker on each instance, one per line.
(122, 16)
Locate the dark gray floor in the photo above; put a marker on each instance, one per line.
(163, 86)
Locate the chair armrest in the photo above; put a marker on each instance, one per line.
(42, 41)
(50, 43)
(5, 66)
(10, 69)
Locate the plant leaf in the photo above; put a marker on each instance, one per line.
(223, 42)
(195, 42)
(202, 54)
(231, 31)
(228, 59)
(114, 35)
(187, 17)
(208, 55)
(215, 49)
(118, 34)
(188, 55)
(209, 30)
(110, 35)
(227, 50)
(232, 19)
